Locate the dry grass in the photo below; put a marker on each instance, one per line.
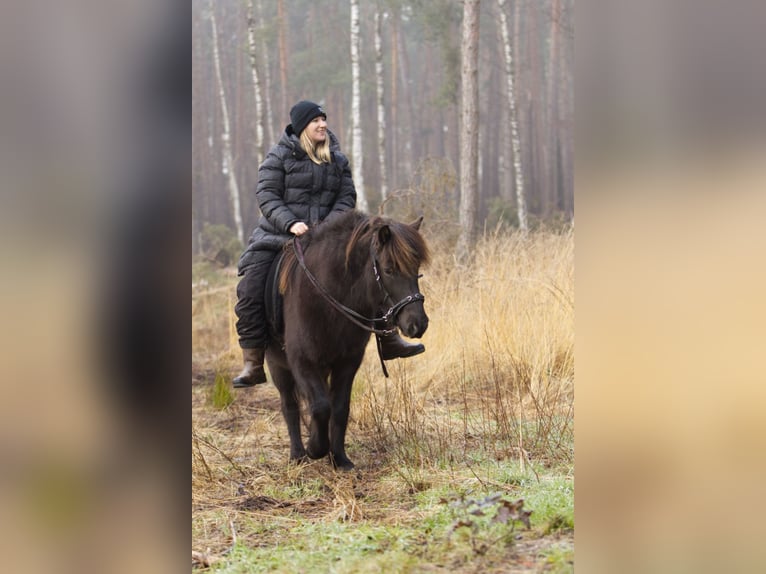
(488, 407)
(499, 366)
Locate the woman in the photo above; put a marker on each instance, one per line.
(303, 181)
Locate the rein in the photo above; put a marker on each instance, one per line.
(359, 320)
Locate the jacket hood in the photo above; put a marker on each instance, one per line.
(292, 141)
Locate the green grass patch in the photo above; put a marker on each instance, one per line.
(328, 547)
(553, 501)
(558, 560)
(220, 393)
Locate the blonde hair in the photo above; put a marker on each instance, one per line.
(318, 154)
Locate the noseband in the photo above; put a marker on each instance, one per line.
(356, 318)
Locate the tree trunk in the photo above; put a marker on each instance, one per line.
(521, 204)
(269, 132)
(228, 160)
(406, 135)
(379, 81)
(523, 105)
(356, 115)
(469, 129)
(282, 31)
(256, 84)
(565, 112)
(553, 102)
(538, 141)
(394, 131)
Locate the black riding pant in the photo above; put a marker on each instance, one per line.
(250, 309)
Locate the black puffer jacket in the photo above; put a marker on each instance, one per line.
(293, 188)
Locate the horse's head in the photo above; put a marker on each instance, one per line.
(399, 251)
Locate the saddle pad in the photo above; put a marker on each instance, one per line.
(274, 301)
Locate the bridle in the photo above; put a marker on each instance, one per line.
(356, 318)
(393, 311)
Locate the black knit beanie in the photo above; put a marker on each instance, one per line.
(302, 113)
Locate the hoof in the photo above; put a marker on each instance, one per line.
(299, 456)
(341, 462)
(315, 453)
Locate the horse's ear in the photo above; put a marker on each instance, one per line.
(417, 222)
(384, 234)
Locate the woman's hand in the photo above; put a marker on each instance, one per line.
(298, 228)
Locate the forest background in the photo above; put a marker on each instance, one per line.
(271, 54)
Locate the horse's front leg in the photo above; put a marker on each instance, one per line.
(314, 386)
(285, 383)
(340, 397)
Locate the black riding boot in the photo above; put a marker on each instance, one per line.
(394, 347)
(253, 373)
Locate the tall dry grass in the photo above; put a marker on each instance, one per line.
(498, 372)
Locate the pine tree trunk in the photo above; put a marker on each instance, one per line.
(521, 204)
(356, 115)
(394, 131)
(553, 102)
(469, 129)
(539, 144)
(381, 109)
(228, 160)
(406, 135)
(256, 83)
(565, 112)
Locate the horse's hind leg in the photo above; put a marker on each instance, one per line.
(340, 397)
(285, 383)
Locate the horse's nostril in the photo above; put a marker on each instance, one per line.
(413, 326)
(416, 329)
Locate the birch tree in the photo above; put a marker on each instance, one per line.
(469, 128)
(282, 23)
(521, 205)
(356, 115)
(228, 160)
(379, 80)
(256, 83)
(269, 131)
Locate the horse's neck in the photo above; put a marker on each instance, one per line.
(350, 286)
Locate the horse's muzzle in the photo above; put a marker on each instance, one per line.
(413, 325)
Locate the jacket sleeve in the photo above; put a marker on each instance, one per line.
(270, 193)
(346, 199)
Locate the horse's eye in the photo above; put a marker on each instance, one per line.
(388, 271)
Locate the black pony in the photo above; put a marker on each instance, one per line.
(346, 279)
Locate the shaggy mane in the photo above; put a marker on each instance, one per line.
(405, 248)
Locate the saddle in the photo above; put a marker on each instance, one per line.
(274, 302)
